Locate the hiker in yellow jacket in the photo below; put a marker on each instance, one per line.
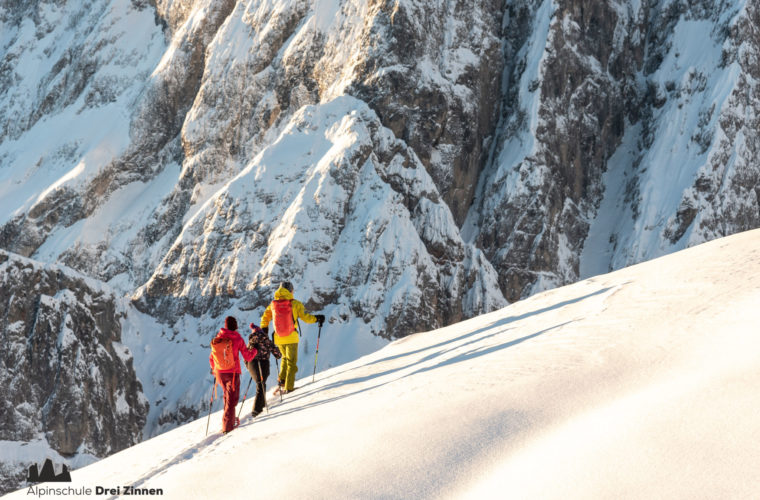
(284, 312)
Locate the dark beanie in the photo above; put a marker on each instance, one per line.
(230, 323)
(287, 285)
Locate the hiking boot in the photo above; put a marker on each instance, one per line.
(235, 425)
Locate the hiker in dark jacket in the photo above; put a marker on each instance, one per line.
(225, 365)
(258, 367)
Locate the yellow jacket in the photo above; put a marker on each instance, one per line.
(298, 312)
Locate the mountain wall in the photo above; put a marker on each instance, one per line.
(406, 164)
(627, 131)
(68, 381)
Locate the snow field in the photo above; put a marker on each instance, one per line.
(637, 384)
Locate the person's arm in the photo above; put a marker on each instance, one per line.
(300, 312)
(266, 318)
(211, 360)
(270, 346)
(248, 352)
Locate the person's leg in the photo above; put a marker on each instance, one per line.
(253, 369)
(292, 353)
(261, 388)
(286, 364)
(283, 366)
(224, 381)
(231, 385)
(251, 366)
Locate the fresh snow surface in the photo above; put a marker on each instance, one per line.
(642, 383)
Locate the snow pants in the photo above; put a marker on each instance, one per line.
(288, 369)
(231, 385)
(261, 382)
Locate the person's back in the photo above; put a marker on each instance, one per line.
(225, 348)
(283, 312)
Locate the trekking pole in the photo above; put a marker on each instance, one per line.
(300, 333)
(314, 373)
(210, 404)
(263, 392)
(244, 396)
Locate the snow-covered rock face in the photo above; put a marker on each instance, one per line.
(431, 76)
(628, 131)
(231, 78)
(615, 137)
(569, 89)
(436, 85)
(405, 163)
(340, 206)
(67, 380)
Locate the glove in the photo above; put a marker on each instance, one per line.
(265, 330)
(253, 327)
(320, 318)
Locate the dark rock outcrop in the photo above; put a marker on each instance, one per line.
(67, 379)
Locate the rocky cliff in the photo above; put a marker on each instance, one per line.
(67, 379)
(627, 131)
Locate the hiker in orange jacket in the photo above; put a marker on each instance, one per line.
(284, 311)
(225, 365)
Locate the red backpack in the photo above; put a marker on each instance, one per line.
(223, 354)
(282, 310)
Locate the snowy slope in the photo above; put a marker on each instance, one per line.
(641, 383)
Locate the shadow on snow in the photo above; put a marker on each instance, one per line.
(468, 339)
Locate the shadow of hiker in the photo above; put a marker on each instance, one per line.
(472, 354)
(495, 324)
(476, 353)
